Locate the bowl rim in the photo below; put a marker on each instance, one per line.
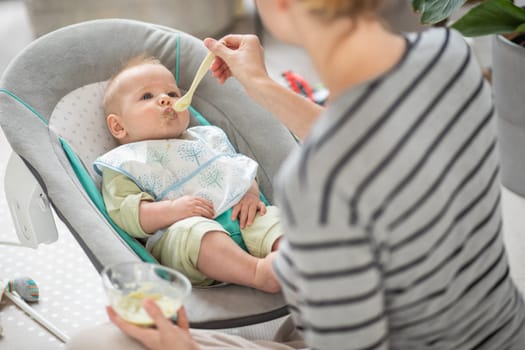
(180, 275)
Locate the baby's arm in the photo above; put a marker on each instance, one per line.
(122, 198)
(154, 216)
(138, 214)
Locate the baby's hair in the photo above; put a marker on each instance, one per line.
(109, 93)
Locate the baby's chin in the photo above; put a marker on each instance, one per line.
(171, 134)
(178, 135)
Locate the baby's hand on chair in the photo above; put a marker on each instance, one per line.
(188, 206)
(247, 208)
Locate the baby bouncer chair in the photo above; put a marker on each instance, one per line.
(51, 113)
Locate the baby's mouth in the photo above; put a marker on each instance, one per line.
(169, 113)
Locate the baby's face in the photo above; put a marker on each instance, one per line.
(146, 94)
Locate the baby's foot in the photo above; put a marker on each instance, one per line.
(264, 276)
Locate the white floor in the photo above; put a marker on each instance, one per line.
(71, 295)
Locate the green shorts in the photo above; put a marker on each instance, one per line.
(179, 247)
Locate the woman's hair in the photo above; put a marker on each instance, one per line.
(109, 93)
(331, 9)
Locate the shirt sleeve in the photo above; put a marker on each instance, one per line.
(122, 198)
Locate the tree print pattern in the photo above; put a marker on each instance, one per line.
(211, 177)
(191, 151)
(158, 156)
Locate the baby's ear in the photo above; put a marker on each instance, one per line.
(115, 127)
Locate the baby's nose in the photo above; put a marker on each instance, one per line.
(165, 100)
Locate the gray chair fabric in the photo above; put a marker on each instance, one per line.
(74, 56)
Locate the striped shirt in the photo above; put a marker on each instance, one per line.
(392, 212)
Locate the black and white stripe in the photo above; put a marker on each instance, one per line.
(392, 212)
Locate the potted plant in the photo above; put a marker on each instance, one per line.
(506, 21)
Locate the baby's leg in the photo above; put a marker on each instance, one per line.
(265, 234)
(275, 244)
(222, 259)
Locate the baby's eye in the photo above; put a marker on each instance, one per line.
(172, 94)
(147, 96)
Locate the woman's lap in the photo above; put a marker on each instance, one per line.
(108, 336)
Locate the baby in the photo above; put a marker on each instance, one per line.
(167, 183)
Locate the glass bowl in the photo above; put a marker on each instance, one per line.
(127, 284)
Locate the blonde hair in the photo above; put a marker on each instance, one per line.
(110, 93)
(332, 9)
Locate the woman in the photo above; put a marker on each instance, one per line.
(391, 206)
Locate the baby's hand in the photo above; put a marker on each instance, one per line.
(188, 206)
(246, 209)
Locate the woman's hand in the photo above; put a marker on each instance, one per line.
(240, 56)
(166, 336)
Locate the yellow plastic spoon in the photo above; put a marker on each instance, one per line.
(184, 102)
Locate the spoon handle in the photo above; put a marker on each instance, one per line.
(184, 102)
(203, 68)
(36, 316)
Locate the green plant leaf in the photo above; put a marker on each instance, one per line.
(491, 17)
(521, 28)
(433, 11)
